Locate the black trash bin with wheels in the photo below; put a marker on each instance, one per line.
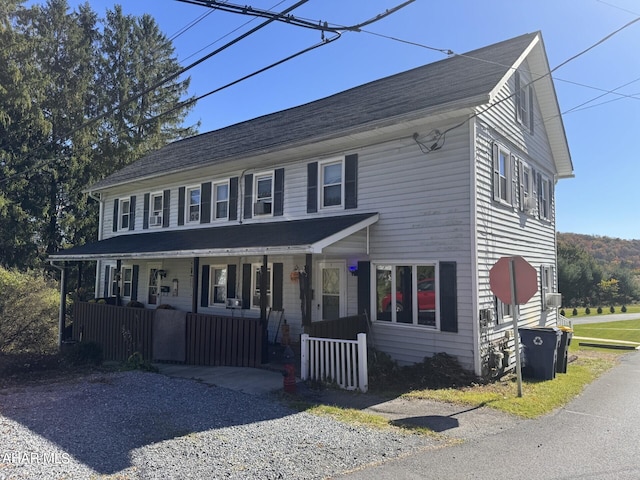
(563, 349)
(540, 351)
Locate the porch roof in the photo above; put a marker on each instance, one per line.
(281, 237)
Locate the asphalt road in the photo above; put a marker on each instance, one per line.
(596, 436)
(612, 317)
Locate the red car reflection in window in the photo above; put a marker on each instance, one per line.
(426, 297)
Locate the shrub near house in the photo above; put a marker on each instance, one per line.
(28, 312)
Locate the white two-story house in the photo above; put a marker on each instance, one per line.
(393, 199)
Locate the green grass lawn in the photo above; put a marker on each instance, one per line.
(627, 330)
(568, 312)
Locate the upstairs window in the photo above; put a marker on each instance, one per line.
(544, 194)
(502, 174)
(193, 205)
(155, 213)
(332, 184)
(221, 199)
(527, 198)
(264, 195)
(125, 214)
(524, 102)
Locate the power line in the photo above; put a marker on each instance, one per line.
(157, 85)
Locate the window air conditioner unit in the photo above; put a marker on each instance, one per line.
(261, 208)
(234, 303)
(553, 300)
(155, 220)
(529, 204)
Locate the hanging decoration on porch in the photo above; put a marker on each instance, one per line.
(294, 274)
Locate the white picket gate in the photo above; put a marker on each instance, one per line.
(332, 360)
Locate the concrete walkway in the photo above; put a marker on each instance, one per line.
(254, 381)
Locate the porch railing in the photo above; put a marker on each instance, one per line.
(346, 328)
(121, 331)
(214, 340)
(334, 360)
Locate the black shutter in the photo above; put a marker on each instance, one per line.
(277, 287)
(204, 292)
(132, 212)
(246, 285)
(145, 211)
(181, 195)
(364, 288)
(248, 196)
(278, 194)
(496, 172)
(107, 268)
(233, 198)
(134, 283)
(205, 203)
(312, 187)
(166, 207)
(351, 181)
(231, 281)
(116, 203)
(448, 297)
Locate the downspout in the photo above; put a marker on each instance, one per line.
(100, 201)
(475, 310)
(62, 315)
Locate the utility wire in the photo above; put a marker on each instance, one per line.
(156, 85)
(226, 34)
(443, 135)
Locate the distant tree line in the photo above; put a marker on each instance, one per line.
(64, 123)
(584, 281)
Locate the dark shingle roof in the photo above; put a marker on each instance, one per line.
(272, 235)
(440, 83)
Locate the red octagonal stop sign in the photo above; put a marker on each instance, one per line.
(526, 280)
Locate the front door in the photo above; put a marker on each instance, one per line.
(331, 302)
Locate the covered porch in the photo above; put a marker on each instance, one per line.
(236, 281)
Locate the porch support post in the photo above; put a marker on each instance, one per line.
(119, 278)
(263, 309)
(309, 290)
(63, 304)
(195, 275)
(79, 284)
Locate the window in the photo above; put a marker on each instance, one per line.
(221, 200)
(547, 274)
(504, 311)
(332, 184)
(125, 214)
(218, 285)
(264, 194)
(155, 213)
(406, 294)
(193, 204)
(122, 279)
(544, 193)
(524, 102)
(527, 200)
(255, 285)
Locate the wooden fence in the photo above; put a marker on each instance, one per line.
(214, 340)
(120, 331)
(343, 362)
(209, 339)
(346, 328)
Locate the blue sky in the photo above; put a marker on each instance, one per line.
(603, 135)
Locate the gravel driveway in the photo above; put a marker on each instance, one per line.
(145, 425)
